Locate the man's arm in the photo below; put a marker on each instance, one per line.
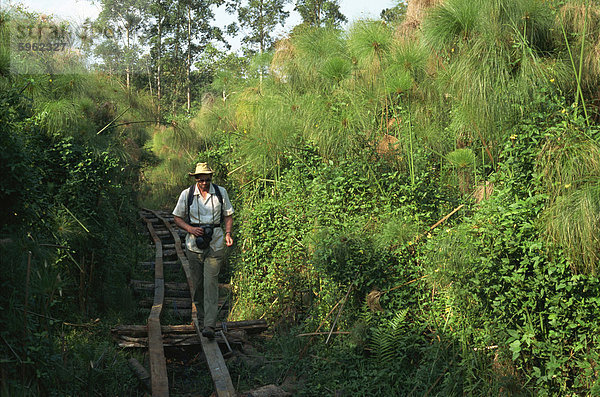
(228, 220)
(196, 231)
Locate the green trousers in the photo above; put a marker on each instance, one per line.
(205, 267)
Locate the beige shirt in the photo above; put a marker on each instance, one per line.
(204, 211)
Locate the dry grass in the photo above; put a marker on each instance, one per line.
(580, 18)
(483, 191)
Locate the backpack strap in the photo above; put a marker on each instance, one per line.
(220, 198)
(190, 198)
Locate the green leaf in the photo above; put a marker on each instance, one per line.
(515, 347)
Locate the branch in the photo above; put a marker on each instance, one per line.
(115, 119)
(323, 333)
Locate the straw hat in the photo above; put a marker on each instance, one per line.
(201, 168)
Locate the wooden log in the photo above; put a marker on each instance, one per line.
(169, 264)
(170, 288)
(169, 340)
(157, 223)
(175, 303)
(325, 333)
(250, 326)
(141, 373)
(167, 247)
(161, 213)
(153, 215)
(177, 290)
(166, 233)
(149, 285)
(132, 345)
(168, 303)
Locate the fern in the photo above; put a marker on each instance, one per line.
(387, 338)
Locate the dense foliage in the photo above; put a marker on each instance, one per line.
(359, 141)
(417, 209)
(67, 237)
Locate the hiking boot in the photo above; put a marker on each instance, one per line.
(208, 332)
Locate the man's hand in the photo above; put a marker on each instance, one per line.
(228, 239)
(196, 231)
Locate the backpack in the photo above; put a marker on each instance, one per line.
(190, 198)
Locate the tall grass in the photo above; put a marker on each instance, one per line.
(450, 23)
(472, 74)
(573, 221)
(570, 165)
(579, 27)
(162, 183)
(492, 65)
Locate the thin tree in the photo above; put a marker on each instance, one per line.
(178, 34)
(154, 33)
(320, 12)
(200, 33)
(123, 18)
(259, 18)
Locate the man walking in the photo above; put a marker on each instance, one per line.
(206, 214)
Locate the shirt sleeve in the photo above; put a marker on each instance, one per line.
(227, 207)
(180, 209)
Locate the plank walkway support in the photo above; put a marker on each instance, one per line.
(158, 366)
(214, 358)
(249, 326)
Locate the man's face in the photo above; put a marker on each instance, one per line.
(203, 181)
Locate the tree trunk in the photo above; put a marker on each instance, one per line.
(415, 11)
(262, 40)
(176, 85)
(158, 61)
(189, 59)
(127, 60)
(149, 79)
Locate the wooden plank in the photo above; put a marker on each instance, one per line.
(169, 303)
(166, 247)
(169, 246)
(216, 364)
(158, 366)
(169, 285)
(169, 253)
(178, 249)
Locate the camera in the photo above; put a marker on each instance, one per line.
(203, 241)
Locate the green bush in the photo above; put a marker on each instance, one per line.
(508, 287)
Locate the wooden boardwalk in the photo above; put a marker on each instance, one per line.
(212, 352)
